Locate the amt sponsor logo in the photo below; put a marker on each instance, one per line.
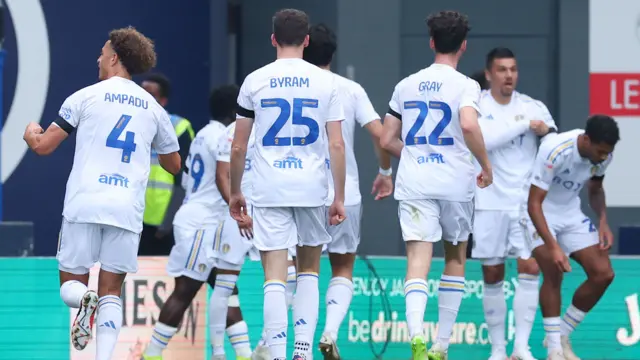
(114, 180)
(431, 158)
(290, 162)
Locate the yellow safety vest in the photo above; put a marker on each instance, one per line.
(160, 185)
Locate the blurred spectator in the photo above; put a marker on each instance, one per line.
(164, 191)
(481, 79)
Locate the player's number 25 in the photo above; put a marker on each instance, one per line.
(128, 146)
(434, 137)
(293, 111)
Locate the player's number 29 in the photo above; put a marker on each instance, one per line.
(293, 111)
(128, 146)
(434, 137)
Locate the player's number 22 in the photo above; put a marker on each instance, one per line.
(434, 137)
(293, 111)
(128, 146)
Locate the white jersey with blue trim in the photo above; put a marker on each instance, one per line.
(203, 204)
(118, 123)
(562, 172)
(512, 149)
(291, 102)
(224, 155)
(435, 162)
(357, 110)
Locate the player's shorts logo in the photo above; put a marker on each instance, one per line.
(225, 248)
(594, 169)
(202, 268)
(535, 235)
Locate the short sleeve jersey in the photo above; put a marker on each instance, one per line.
(562, 172)
(117, 123)
(357, 110)
(224, 155)
(291, 102)
(512, 162)
(203, 204)
(435, 162)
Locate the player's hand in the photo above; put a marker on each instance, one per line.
(246, 227)
(560, 259)
(539, 127)
(605, 236)
(32, 128)
(485, 178)
(382, 186)
(238, 207)
(337, 214)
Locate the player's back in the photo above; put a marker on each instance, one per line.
(203, 205)
(435, 162)
(118, 122)
(292, 101)
(357, 111)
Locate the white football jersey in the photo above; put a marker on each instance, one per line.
(291, 102)
(357, 109)
(117, 122)
(562, 172)
(511, 147)
(203, 204)
(435, 162)
(224, 155)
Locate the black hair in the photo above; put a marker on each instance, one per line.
(163, 83)
(498, 53)
(290, 27)
(602, 129)
(223, 103)
(481, 79)
(448, 29)
(322, 45)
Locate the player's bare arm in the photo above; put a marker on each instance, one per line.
(597, 202)
(338, 170)
(383, 184)
(390, 139)
(171, 162)
(44, 142)
(534, 207)
(475, 141)
(237, 203)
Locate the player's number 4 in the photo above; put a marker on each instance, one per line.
(434, 137)
(271, 137)
(128, 146)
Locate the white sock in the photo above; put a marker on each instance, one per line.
(571, 319)
(525, 306)
(238, 334)
(263, 338)
(450, 295)
(291, 284)
(108, 323)
(218, 307)
(160, 338)
(552, 329)
(72, 292)
(306, 305)
(415, 299)
(338, 299)
(276, 318)
(495, 312)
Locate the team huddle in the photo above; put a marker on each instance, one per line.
(274, 177)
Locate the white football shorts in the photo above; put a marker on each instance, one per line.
(573, 230)
(191, 254)
(434, 220)
(279, 228)
(345, 237)
(499, 234)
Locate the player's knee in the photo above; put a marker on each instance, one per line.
(528, 266)
(493, 274)
(603, 277)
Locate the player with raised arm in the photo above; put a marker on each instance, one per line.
(291, 103)
(196, 230)
(559, 228)
(435, 111)
(118, 122)
(511, 123)
(346, 237)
